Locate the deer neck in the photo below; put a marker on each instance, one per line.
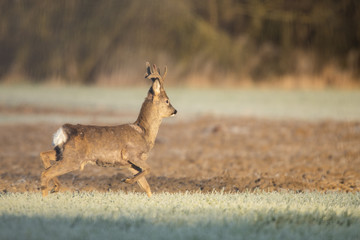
(149, 120)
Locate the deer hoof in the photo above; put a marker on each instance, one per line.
(44, 193)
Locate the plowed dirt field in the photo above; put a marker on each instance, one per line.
(206, 153)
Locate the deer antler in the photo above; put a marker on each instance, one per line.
(154, 73)
(165, 72)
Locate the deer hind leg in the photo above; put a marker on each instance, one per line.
(59, 168)
(142, 182)
(46, 157)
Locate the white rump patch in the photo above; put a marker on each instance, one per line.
(60, 137)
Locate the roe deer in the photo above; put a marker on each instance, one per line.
(124, 146)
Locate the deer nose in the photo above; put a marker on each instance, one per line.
(174, 113)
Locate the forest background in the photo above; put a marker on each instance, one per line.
(204, 43)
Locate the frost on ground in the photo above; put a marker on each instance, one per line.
(256, 215)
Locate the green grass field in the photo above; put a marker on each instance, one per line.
(190, 103)
(180, 216)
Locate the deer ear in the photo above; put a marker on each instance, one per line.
(156, 87)
(148, 70)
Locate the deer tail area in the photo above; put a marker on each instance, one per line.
(60, 137)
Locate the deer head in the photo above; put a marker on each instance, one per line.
(157, 92)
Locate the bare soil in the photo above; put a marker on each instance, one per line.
(205, 154)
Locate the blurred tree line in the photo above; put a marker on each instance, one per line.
(79, 41)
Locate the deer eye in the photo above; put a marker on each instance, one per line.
(167, 101)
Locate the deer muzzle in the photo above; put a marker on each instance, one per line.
(174, 113)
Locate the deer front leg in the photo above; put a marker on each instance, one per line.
(142, 182)
(46, 157)
(142, 169)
